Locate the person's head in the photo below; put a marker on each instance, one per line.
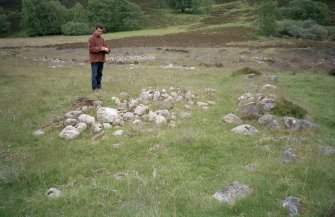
(99, 28)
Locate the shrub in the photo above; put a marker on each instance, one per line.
(76, 28)
(267, 17)
(286, 108)
(4, 25)
(246, 71)
(116, 15)
(192, 6)
(43, 17)
(308, 10)
(302, 29)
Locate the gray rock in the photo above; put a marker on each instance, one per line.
(184, 115)
(189, 96)
(96, 128)
(293, 204)
(202, 104)
(289, 156)
(172, 124)
(133, 103)
(107, 115)
(269, 87)
(118, 145)
(156, 95)
(146, 95)
(232, 119)
(116, 100)
(160, 120)
(249, 110)
(274, 125)
(265, 119)
(118, 133)
(73, 114)
(245, 129)
(38, 132)
(251, 167)
(247, 97)
(267, 103)
(87, 119)
(128, 116)
(141, 110)
(294, 124)
(152, 116)
(138, 123)
(179, 98)
(232, 193)
(97, 103)
(53, 193)
(119, 176)
(106, 125)
(81, 126)
(71, 121)
(326, 150)
(69, 133)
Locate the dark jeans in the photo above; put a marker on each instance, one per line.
(97, 74)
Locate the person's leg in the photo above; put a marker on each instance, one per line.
(94, 67)
(99, 77)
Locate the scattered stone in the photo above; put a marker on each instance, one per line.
(232, 119)
(274, 125)
(97, 103)
(118, 145)
(154, 148)
(141, 110)
(98, 136)
(210, 91)
(123, 95)
(188, 107)
(118, 133)
(288, 156)
(87, 119)
(107, 115)
(249, 76)
(138, 123)
(298, 125)
(266, 119)
(53, 193)
(73, 114)
(269, 87)
(201, 104)
(96, 127)
(71, 121)
(232, 193)
(69, 132)
(106, 125)
(245, 129)
(119, 176)
(184, 115)
(116, 100)
(160, 120)
(128, 116)
(250, 167)
(172, 124)
(267, 102)
(249, 110)
(133, 103)
(38, 132)
(273, 78)
(326, 150)
(81, 126)
(210, 103)
(246, 96)
(293, 204)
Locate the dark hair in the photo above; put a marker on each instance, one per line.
(99, 26)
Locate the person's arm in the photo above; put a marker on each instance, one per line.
(92, 46)
(107, 50)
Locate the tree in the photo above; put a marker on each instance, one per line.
(43, 17)
(192, 6)
(267, 17)
(78, 13)
(4, 25)
(116, 15)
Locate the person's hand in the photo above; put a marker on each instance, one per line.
(105, 49)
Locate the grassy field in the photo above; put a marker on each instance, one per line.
(193, 160)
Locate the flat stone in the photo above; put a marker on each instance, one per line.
(269, 87)
(232, 193)
(53, 193)
(293, 204)
(232, 119)
(289, 156)
(69, 133)
(38, 132)
(245, 129)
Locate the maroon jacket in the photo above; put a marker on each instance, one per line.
(95, 44)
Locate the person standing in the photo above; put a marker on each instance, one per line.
(97, 49)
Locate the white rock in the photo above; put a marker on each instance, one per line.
(232, 119)
(69, 132)
(246, 96)
(179, 98)
(73, 114)
(185, 115)
(96, 127)
(38, 132)
(71, 121)
(202, 104)
(53, 193)
(269, 87)
(141, 110)
(118, 133)
(87, 119)
(174, 94)
(189, 96)
(107, 115)
(138, 123)
(152, 116)
(81, 126)
(172, 124)
(245, 129)
(106, 125)
(156, 95)
(188, 107)
(232, 193)
(116, 100)
(211, 103)
(133, 103)
(160, 120)
(128, 116)
(97, 103)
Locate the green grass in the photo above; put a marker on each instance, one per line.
(197, 158)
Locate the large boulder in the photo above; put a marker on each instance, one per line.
(107, 115)
(245, 129)
(69, 133)
(232, 193)
(232, 119)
